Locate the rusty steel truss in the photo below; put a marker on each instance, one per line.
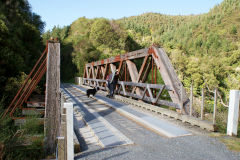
(29, 84)
(139, 76)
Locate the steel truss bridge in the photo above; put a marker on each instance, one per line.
(139, 75)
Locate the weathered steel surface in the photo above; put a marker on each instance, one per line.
(141, 71)
(29, 84)
(131, 55)
(141, 96)
(155, 86)
(169, 76)
(153, 58)
(134, 74)
(113, 67)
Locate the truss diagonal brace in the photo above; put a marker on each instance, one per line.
(169, 76)
(134, 74)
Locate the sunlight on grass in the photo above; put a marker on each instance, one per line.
(232, 143)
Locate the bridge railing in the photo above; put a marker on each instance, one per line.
(200, 107)
(148, 92)
(65, 146)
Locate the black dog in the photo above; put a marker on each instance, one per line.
(92, 91)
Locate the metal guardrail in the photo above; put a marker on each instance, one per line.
(126, 89)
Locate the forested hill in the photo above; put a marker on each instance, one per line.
(20, 45)
(203, 48)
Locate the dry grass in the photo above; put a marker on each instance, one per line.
(216, 134)
(232, 143)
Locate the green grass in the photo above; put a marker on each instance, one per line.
(22, 143)
(232, 143)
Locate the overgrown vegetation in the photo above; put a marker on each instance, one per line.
(20, 43)
(24, 143)
(20, 47)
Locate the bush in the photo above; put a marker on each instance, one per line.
(233, 30)
(21, 143)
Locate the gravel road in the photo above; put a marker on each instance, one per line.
(149, 145)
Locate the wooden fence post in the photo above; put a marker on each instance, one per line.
(202, 106)
(181, 98)
(215, 106)
(191, 100)
(52, 100)
(63, 133)
(61, 148)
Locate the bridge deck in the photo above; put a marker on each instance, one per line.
(106, 134)
(160, 126)
(146, 143)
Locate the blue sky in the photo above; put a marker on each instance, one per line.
(64, 12)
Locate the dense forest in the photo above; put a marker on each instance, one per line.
(204, 49)
(20, 47)
(20, 44)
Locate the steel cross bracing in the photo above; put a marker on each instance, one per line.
(135, 69)
(29, 84)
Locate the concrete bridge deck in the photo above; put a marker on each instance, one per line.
(120, 131)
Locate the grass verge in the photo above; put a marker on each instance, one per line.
(232, 143)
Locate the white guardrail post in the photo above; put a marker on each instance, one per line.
(79, 80)
(69, 128)
(233, 112)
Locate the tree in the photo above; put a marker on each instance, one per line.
(20, 39)
(103, 33)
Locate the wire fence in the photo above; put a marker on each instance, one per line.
(209, 106)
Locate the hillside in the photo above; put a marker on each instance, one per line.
(203, 48)
(196, 42)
